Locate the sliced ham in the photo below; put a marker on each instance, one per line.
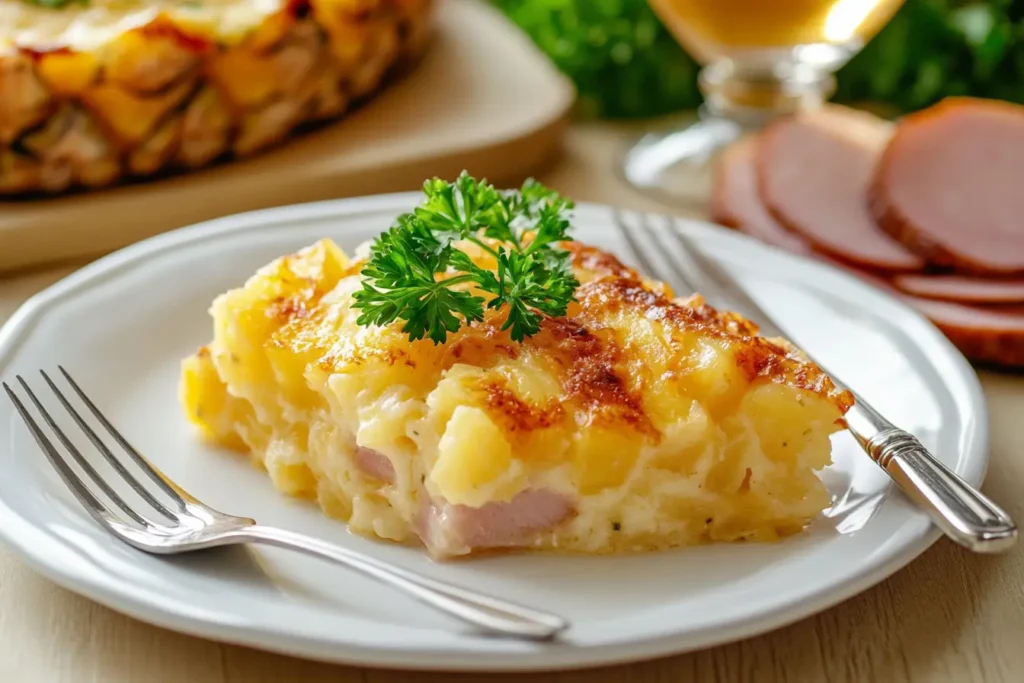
(735, 201)
(448, 530)
(988, 334)
(375, 464)
(991, 334)
(950, 185)
(813, 171)
(962, 288)
(984, 334)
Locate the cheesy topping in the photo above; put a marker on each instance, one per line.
(637, 421)
(86, 26)
(81, 26)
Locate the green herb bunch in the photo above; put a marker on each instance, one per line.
(939, 48)
(626, 64)
(623, 61)
(415, 269)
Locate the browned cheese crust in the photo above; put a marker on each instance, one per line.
(601, 375)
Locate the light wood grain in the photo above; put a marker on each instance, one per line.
(949, 617)
(483, 98)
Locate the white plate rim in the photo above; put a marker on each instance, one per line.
(142, 605)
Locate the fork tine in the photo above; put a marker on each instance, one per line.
(80, 459)
(107, 454)
(728, 291)
(681, 259)
(95, 508)
(175, 493)
(643, 246)
(634, 244)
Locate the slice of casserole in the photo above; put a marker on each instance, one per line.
(635, 422)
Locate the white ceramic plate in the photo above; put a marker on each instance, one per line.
(122, 324)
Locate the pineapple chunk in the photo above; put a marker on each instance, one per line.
(792, 424)
(207, 403)
(604, 458)
(714, 378)
(68, 74)
(130, 117)
(146, 61)
(292, 348)
(270, 33)
(247, 318)
(474, 463)
(286, 460)
(246, 78)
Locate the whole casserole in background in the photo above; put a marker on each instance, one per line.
(96, 91)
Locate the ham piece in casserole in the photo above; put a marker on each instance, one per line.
(448, 530)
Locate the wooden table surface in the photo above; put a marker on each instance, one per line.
(949, 617)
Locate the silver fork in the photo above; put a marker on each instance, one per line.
(962, 512)
(189, 525)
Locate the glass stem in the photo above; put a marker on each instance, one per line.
(751, 98)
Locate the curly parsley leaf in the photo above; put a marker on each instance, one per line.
(58, 4)
(527, 282)
(416, 274)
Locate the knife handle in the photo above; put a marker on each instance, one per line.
(965, 514)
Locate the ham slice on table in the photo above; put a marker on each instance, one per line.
(993, 334)
(735, 201)
(448, 530)
(950, 185)
(990, 334)
(984, 333)
(961, 288)
(813, 172)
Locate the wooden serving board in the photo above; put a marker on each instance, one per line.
(483, 98)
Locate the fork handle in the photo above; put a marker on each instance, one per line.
(965, 514)
(492, 615)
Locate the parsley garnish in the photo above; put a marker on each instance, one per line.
(533, 277)
(57, 4)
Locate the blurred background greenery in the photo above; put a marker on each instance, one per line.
(625, 64)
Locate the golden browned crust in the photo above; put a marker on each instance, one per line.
(595, 262)
(585, 351)
(288, 307)
(518, 415)
(591, 370)
(760, 358)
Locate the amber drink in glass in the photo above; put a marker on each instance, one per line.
(760, 59)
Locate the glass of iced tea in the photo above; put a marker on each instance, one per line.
(761, 59)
